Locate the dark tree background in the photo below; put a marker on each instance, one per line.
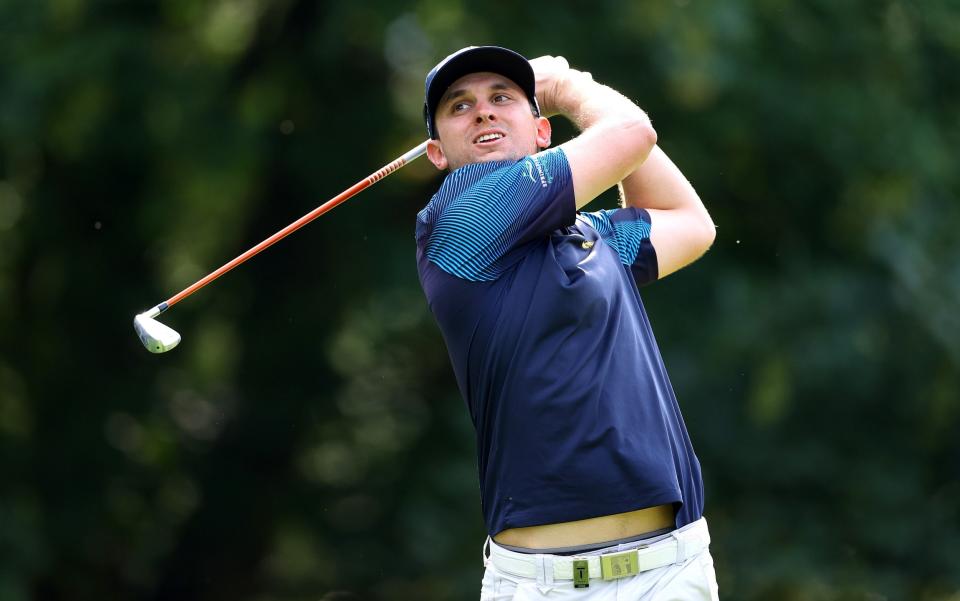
(307, 441)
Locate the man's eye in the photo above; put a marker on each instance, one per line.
(501, 98)
(459, 107)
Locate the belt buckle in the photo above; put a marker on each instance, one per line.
(581, 573)
(619, 565)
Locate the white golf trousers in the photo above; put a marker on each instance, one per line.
(690, 578)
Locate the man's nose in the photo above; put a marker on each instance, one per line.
(485, 113)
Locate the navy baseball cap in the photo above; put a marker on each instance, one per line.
(475, 59)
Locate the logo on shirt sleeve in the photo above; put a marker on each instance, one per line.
(532, 163)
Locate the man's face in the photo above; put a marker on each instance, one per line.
(485, 117)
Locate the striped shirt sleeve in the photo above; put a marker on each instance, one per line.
(476, 227)
(628, 232)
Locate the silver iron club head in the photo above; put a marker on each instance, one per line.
(156, 337)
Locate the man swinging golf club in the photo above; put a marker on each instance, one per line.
(589, 483)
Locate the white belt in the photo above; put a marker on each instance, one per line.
(680, 545)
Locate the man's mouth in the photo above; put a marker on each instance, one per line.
(489, 138)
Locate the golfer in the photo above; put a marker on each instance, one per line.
(589, 485)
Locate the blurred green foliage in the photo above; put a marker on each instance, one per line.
(307, 440)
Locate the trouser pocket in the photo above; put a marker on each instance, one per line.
(496, 586)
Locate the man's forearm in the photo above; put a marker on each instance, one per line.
(587, 103)
(682, 228)
(659, 184)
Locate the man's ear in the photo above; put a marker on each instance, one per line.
(544, 132)
(435, 154)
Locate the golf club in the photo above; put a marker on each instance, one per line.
(158, 338)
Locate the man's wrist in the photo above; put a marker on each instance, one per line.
(572, 90)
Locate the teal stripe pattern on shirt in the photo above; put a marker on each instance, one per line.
(484, 210)
(623, 229)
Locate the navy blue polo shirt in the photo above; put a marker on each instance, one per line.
(552, 349)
